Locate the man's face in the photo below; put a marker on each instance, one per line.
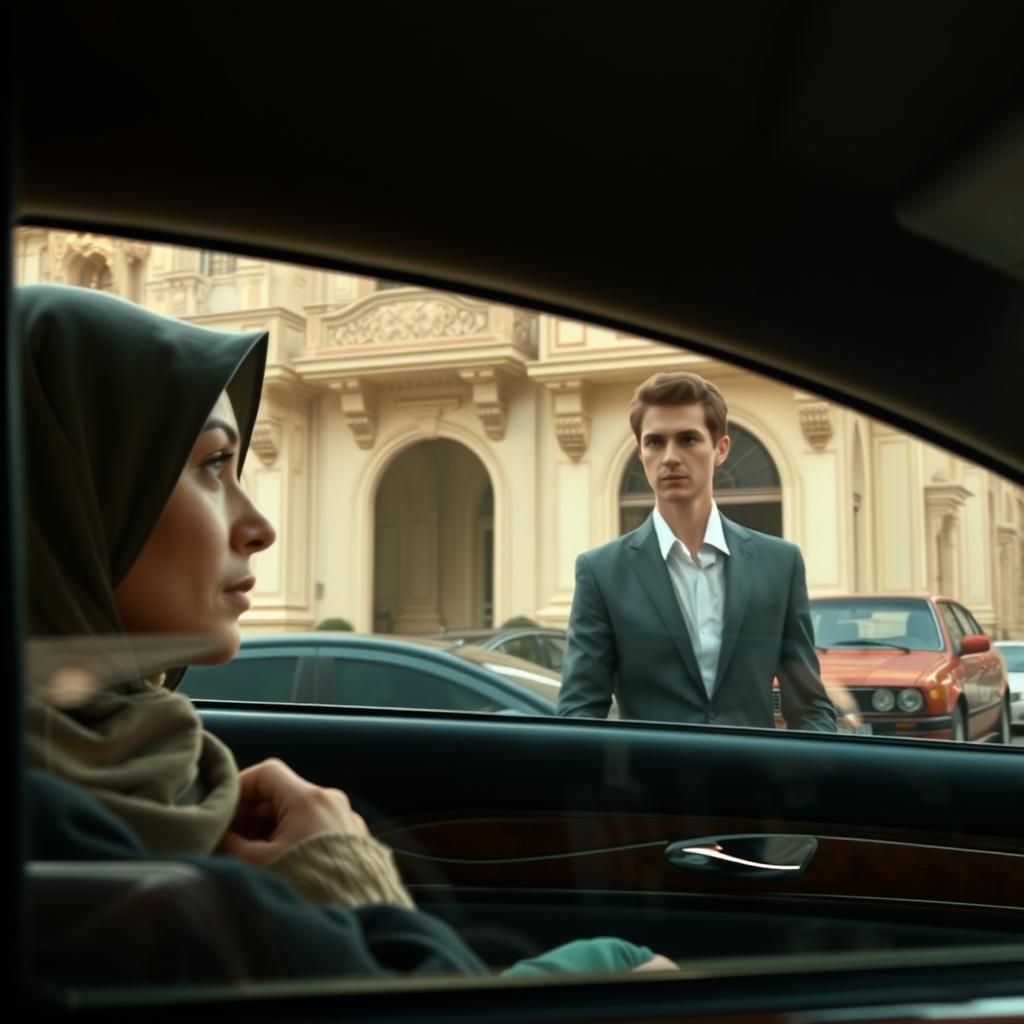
(677, 453)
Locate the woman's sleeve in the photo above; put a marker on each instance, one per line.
(348, 870)
(272, 931)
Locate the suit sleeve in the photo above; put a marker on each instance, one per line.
(805, 702)
(590, 661)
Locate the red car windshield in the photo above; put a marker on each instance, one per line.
(906, 623)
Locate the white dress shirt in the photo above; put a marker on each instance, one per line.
(700, 588)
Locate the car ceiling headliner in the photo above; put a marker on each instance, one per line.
(718, 173)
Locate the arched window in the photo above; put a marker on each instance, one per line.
(95, 272)
(214, 263)
(747, 488)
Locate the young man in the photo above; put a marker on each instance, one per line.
(689, 617)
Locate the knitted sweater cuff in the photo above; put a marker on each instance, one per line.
(348, 870)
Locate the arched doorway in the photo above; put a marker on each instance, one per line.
(433, 541)
(747, 488)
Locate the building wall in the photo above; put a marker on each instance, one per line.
(359, 378)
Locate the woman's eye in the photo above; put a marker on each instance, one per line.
(215, 463)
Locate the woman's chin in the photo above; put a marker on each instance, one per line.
(224, 646)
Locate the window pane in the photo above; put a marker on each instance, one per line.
(554, 650)
(380, 684)
(520, 647)
(258, 679)
(953, 624)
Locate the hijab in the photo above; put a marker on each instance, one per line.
(114, 398)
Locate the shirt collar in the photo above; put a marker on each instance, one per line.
(714, 535)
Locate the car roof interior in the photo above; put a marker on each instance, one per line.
(828, 191)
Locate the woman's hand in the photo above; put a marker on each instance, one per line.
(278, 808)
(658, 963)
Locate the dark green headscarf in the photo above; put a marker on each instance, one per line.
(114, 397)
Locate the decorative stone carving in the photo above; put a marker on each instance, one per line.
(358, 403)
(409, 315)
(266, 441)
(946, 500)
(428, 411)
(570, 402)
(86, 245)
(85, 256)
(816, 423)
(524, 330)
(488, 399)
(135, 252)
(573, 433)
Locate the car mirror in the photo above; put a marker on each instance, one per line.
(976, 643)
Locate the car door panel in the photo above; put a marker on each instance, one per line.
(887, 846)
(989, 670)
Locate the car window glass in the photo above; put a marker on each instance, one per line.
(440, 499)
(365, 683)
(1014, 657)
(256, 679)
(402, 511)
(553, 648)
(969, 622)
(956, 629)
(519, 647)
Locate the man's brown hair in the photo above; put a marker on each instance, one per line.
(680, 388)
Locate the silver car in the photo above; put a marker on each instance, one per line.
(1013, 653)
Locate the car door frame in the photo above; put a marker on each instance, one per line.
(987, 674)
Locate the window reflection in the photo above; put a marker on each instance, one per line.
(436, 463)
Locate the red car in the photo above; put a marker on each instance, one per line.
(916, 665)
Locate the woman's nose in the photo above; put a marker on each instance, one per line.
(253, 531)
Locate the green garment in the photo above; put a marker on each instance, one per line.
(114, 398)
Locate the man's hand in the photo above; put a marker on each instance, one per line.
(278, 808)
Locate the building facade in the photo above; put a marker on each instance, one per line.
(432, 460)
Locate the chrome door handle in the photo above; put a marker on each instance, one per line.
(746, 856)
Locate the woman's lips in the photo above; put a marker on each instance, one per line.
(238, 594)
(239, 598)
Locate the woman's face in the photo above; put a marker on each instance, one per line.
(193, 575)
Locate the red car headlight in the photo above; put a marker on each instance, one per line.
(910, 700)
(883, 700)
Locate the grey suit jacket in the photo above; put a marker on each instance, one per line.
(627, 637)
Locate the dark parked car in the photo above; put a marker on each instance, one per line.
(916, 665)
(543, 646)
(376, 671)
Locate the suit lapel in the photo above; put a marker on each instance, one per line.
(650, 568)
(739, 575)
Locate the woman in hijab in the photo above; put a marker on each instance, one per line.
(137, 429)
